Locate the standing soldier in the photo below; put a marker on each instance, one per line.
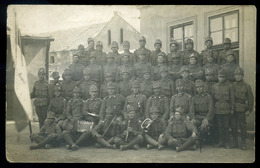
(141, 65)
(85, 84)
(223, 96)
(196, 72)
(204, 53)
(103, 88)
(126, 47)
(90, 49)
(114, 48)
(99, 54)
(189, 86)
(223, 53)
(41, 94)
(82, 56)
(181, 99)
(188, 51)
(159, 64)
(175, 66)
(125, 65)
(111, 66)
(173, 53)
(229, 67)
(67, 85)
(154, 54)
(159, 101)
(210, 68)
(76, 69)
(113, 100)
(55, 75)
(137, 101)
(168, 86)
(142, 49)
(146, 84)
(244, 104)
(124, 86)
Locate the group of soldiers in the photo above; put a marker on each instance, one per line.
(123, 101)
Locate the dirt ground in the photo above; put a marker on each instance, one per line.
(18, 151)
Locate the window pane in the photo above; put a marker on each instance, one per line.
(232, 34)
(188, 31)
(216, 24)
(231, 21)
(177, 33)
(217, 37)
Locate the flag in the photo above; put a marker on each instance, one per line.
(21, 97)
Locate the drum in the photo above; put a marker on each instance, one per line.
(83, 126)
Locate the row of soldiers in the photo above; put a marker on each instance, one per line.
(118, 120)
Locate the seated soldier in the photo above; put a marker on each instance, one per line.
(50, 134)
(132, 133)
(155, 132)
(73, 135)
(181, 133)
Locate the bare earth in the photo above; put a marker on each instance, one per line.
(18, 151)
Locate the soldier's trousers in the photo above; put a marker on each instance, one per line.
(223, 126)
(41, 112)
(238, 118)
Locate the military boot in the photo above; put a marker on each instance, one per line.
(130, 144)
(220, 143)
(42, 143)
(173, 143)
(106, 144)
(235, 138)
(226, 139)
(186, 145)
(68, 139)
(243, 143)
(83, 137)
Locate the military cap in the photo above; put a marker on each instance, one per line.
(173, 42)
(111, 85)
(41, 71)
(193, 56)
(135, 84)
(163, 69)
(142, 39)
(154, 109)
(108, 74)
(57, 88)
(93, 88)
(156, 84)
(114, 44)
(99, 43)
(92, 55)
(76, 90)
(199, 82)
(147, 70)
(80, 47)
(110, 55)
(189, 41)
(230, 52)
(130, 108)
(126, 54)
(158, 41)
(221, 73)
(67, 71)
(180, 110)
(227, 41)
(55, 74)
(75, 55)
(90, 40)
(126, 43)
(239, 71)
(161, 54)
(184, 68)
(208, 39)
(50, 115)
(180, 82)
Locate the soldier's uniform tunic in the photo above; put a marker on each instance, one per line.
(180, 100)
(111, 68)
(77, 71)
(161, 102)
(92, 105)
(67, 89)
(146, 88)
(174, 72)
(196, 72)
(189, 87)
(95, 72)
(100, 57)
(141, 50)
(157, 128)
(229, 68)
(167, 88)
(208, 87)
(124, 88)
(211, 69)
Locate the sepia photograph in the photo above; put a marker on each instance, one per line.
(130, 83)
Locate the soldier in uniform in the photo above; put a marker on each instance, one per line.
(156, 130)
(223, 96)
(95, 70)
(142, 49)
(201, 109)
(125, 65)
(146, 84)
(124, 86)
(111, 66)
(99, 54)
(130, 61)
(74, 113)
(141, 65)
(210, 68)
(67, 85)
(85, 84)
(159, 101)
(49, 135)
(168, 86)
(229, 67)
(189, 86)
(160, 62)
(114, 48)
(204, 53)
(136, 100)
(113, 100)
(196, 72)
(175, 66)
(154, 54)
(223, 53)
(103, 88)
(174, 53)
(188, 51)
(181, 134)
(181, 99)
(244, 104)
(90, 49)
(55, 75)
(82, 56)
(41, 94)
(76, 69)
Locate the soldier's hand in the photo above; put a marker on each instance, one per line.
(193, 135)
(247, 113)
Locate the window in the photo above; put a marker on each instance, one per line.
(109, 37)
(121, 36)
(52, 59)
(224, 26)
(182, 32)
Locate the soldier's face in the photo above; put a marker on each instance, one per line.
(125, 59)
(135, 90)
(56, 79)
(226, 46)
(126, 48)
(230, 58)
(199, 89)
(41, 76)
(111, 91)
(210, 59)
(131, 114)
(142, 57)
(193, 61)
(92, 60)
(86, 76)
(163, 74)
(114, 49)
(239, 77)
(185, 74)
(142, 43)
(75, 59)
(57, 93)
(179, 88)
(81, 51)
(110, 60)
(91, 44)
(189, 46)
(176, 60)
(157, 91)
(221, 79)
(76, 95)
(154, 116)
(177, 115)
(109, 116)
(119, 119)
(173, 47)
(93, 94)
(147, 76)
(99, 48)
(208, 44)
(67, 77)
(157, 47)
(125, 76)
(160, 59)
